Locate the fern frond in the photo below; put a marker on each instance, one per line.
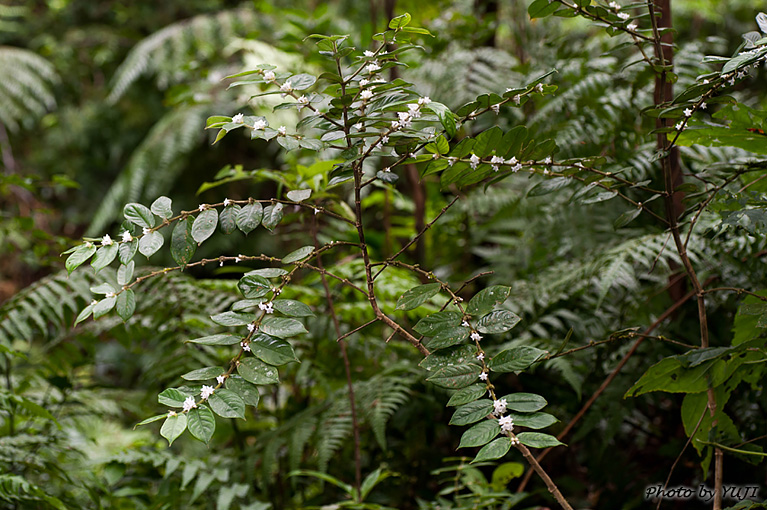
(16, 489)
(26, 86)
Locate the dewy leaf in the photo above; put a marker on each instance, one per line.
(467, 394)
(150, 243)
(498, 321)
(174, 426)
(480, 434)
(450, 356)
(203, 374)
(538, 440)
(216, 340)
(292, 308)
(299, 195)
(282, 327)
(182, 245)
(204, 225)
(227, 220)
(257, 372)
(272, 216)
(455, 377)
(233, 318)
(80, 255)
(432, 324)
(494, 450)
(227, 404)
(417, 296)
(525, 402)
(448, 337)
(272, 350)
(472, 412)
(253, 286)
(201, 423)
(298, 254)
(162, 208)
(139, 215)
(516, 359)
(172, 397)
(487, 299)
(249, 217)
(126, 304)
(247, 391)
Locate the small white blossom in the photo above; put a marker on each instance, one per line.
(364, 82)
(705, 82)
(474, 161)
(514, 441)
(106, 240)
(220, 379)
(539, 87)
(506, 423)
(483, 376)
(146, 230)
(206, 391)
(88, 244)
(126, 237)
(221, 263)
(394, 125)
(172, 413)
(94, 302)
(202, 207)
(189, 404)
(615, 5)
(251, 327)
(687, 112)
(465, 324)
(259, 124)
(480, 356)
(631, 27)
(403, 116)
(266, 307)
(547, 160)
(245, 346)
(372, 67)
(703, 106)
(731, 82)
(496, 108)
(366, 94)
(286, 87)
(512, 161)
(517, 99)
(357, 126)
(110, 295)
(237, 259)
(302, 102)
(451, 161)
(282, 130)
(623, 15)
(517, 167)
(679, 126)
(238, 119)
(384, 139)
(387, 169)
(369, 53)
(424, 100)
(546, 171)
(227, 202)
(269, 76)
(316, 210)
(476, 336)
(499, 406)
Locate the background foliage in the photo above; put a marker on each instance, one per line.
(105, 103)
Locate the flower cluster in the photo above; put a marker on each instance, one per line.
(266, 307)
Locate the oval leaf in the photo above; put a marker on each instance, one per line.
(150, 243)
(203, 374)
(139, 215)
(227, 404)
(173, 427)
(257, 372)
(298, 254)
(455, 377)
(432, 324)
(253, 286)
(201, 423)
(247, 391)
(274, 351)
(298, 195)
(498, 321)
(494, 450)
(449, 336)
(216, 340)
(282, 327)
(516, 359)
(480, 434)
(487, 299)
(227, 220)
(249, 217)
(204, 225)
(292, 308)
(162, 207)
(272, 216)
(525, 402)
(472, 412)
(538, 440)
(417, 296)
(467, 394)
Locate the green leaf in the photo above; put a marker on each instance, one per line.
(253, 286)
(203, 374)
(227, 404)
(298, 254)
(150, 243)
(233, 318)
(431, 324)
(487, 299)
(272, 216)
(139, 215)
(299, 195)
(247, 391)
(204, 225)
(292, 308)
(400, 21)
(162, 208)
(542, 8)
(201, 423)
(455, 377)
(457, 355)
(104, 256)
(627, 217)
(125, 304)
(448, 337)
(182, 245)
(533, 420)
(467, 394)
(480, 434)
(417, 296)
(80, 255)
(173, 427)
(85, 313)
(227, 220)
(302, 81)
(282, 327)
(516, 359)
(538, 440)
(216, 340)
(257, 372)
(494, 450)
(268, 272)
(525, 402)
(249, 217)
(498, 321)
(126, 251)
(151, 420)
(172, 397)
(103, 307)
(272, 350)
(125, 273)
(472, 412)
(670, 375)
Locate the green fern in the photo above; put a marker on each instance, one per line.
(26, 87)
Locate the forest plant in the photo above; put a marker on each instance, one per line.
(370, 127)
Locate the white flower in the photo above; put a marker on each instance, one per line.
(631, 27)
(282, 130)
(496, 108)
(623, 15)
(316, 210)
(172, 413)
(450, 161)
(546, 171)
(372, 67)
(221, 263)
(227, 202)
(705, 82)
(364, 82)
(679, 126)
(127, 237)
(266, 307)
(189, 404)
(517, 99)
(731, 81)
(146, 230)
(206, 391)
(237, 259)
(88, 244)
(403, 116)
(252, 327)
(287, 86)
(94, 302)
(615, 5)
(474, 161)
(394, 125)
(106, 240)
(366, 94)
(302, 101)
(506, 423)
(369, 53)
(539, 88)
(480, 356)
(424, 100)
(499, 406)
(202, 207)
(547, 160)
(269, 76)
(483, 376)
(514, 441)
(387, 169)
(465, 324)
(238, 119)
(245, 347)
(220, 379)
(703, 106)
(476, 336)
(109, 295)
(357, 126)
(259, 124)
(517, 167)
(687, 112)
(512, 161)
(384, 139)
